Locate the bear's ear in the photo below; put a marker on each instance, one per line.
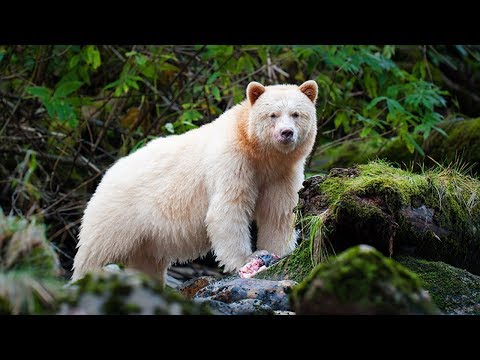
(310, 88)
(254, 90)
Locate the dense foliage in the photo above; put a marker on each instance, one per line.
(67, 112)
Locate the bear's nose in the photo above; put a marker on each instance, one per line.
(287, 134)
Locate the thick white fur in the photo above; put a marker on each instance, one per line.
(181, 196)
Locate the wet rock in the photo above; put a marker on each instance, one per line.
(126, 292)
(280, 312)
(236, 296)
(191, 287)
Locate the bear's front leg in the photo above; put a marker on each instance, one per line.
(275, 218)
(228, 226)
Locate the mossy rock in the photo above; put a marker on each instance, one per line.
(126, 292)
(434, 215)
(24, 247)
(454, 291)
(461, 145)
(24, 293)
(28, 268)
(361, 281)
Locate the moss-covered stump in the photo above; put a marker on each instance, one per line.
(453, 290)
(361, 281)
(28, 268)
(434, 215)
(126, 292)
(461, 145)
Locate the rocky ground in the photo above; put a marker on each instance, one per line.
(376, 239)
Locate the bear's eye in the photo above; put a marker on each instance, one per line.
(273, 115)
(295, 114)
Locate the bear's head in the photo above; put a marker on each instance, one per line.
(282, 116)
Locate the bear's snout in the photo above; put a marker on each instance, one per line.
(286, 136)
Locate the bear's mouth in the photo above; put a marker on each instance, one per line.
(284, 141)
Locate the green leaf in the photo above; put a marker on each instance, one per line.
(112, 85)
(40, 92)
(93, 56)
(62, 111)
(375, 102)
(148, 70)
(441, 131)
(132, 83)
(388, 51)
(339, 119)
(167, 67)
(412, 144)
(213, 77)
(342, 119)
(140, 59)
(216, 93)
(49, 105)
(74, 61)
(394, 107)
(191, 115)
(84, 75)
(169, 127)
(365, 131)
(67, 88)
(371, 85)
(189, 123)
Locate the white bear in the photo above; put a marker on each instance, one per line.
(179, 197)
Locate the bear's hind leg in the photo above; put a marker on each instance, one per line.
(145, 262)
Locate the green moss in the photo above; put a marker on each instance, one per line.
(462, 143)
(375, 177)
(28, 268)
(23, 246)
(294, 267)
(435, 214)
(361, 281)
(454, 291)
(346, 154)
(23, 292)
(362, 151)
(127, 292)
